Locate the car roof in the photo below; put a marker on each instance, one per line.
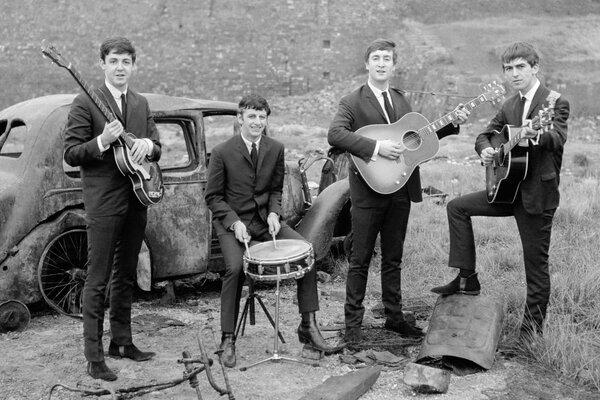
(31, 111)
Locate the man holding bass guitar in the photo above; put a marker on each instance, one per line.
(377, 105)
(537, 154)
(116, 219)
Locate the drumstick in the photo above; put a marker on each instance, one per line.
(247, 250)
(274, 241)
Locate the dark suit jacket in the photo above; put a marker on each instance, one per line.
(105, 190)
(539, 190)
(358, 109)
(234, 191)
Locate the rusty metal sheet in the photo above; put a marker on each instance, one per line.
(466, 327)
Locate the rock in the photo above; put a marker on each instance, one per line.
(345, 387)
(424, 379)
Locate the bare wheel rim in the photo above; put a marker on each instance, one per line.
(62, 271)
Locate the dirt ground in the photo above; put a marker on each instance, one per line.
(50, 351)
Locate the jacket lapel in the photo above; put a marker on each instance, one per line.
(108, 99)
(370, 96)
(538, 101)
(241, 147)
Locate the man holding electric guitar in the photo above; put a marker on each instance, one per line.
(523, 161)
(368, 125)
(116, 214)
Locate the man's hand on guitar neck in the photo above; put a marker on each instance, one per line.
(113, 130)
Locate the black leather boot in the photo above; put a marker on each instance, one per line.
(462, 285)
(99, 370)
(308, 333)
(228, 348)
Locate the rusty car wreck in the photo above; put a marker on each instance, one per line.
(43, 246)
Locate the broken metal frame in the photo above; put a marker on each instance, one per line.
(190, 374)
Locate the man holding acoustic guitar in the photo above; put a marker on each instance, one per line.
(522, 149)
(116, 216)
(375, 125)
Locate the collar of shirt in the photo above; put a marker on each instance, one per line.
(248, 143)
(528, 99)
(379, 96)
(116, 93)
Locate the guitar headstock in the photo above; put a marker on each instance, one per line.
(493, 92)
(544, 119)
(53, 54)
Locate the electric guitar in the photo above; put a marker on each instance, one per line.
(508, 169)
(419, 139)
(146, 177)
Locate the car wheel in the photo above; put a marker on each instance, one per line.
(62, 271)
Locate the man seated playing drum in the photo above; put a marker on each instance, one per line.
(244, 190)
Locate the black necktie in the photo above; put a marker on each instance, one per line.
(254, 155)
(520, 111)
(124, 109)
(388, 107)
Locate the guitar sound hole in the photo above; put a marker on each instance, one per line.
(411, 140)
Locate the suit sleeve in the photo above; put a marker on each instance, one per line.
(276, 190)
(341, 133)
(80, 145)
(215, 190)
(496, 124)
(153, 135)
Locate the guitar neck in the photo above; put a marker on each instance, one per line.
(441, 122)
(108, 114)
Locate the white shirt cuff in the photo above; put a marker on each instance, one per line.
(374, 156)
(150, 146)
(100, 147)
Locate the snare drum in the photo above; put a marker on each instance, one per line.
(292, 258)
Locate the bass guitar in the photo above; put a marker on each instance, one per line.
(146, 177)
(419, 139)
(508, 169)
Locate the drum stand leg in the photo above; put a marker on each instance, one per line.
(276, 357)
(249, 308)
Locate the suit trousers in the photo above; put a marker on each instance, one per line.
(388, 218)
(534, 230)
(233, 280)
(114, 243)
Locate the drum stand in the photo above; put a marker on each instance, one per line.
(276, 357)
(249, 308)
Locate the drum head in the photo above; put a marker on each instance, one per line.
(286, 250)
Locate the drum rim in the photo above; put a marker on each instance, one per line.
(305, 253)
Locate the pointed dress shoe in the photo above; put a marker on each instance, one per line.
(309, 333)
(129, 351)
(99, 370)
(469, 285)
(227, 350)
(403, 328)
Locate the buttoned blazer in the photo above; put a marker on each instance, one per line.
(361, 108)
(105, 190)
(234, 191)
(539, 190)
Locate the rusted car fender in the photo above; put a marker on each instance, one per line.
(20, 279)
(321, 218)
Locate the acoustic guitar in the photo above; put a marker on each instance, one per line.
(146, 177)
(508, 169)
(418, 139)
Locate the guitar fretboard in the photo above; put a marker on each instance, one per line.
(451, 116)
(108, 114)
